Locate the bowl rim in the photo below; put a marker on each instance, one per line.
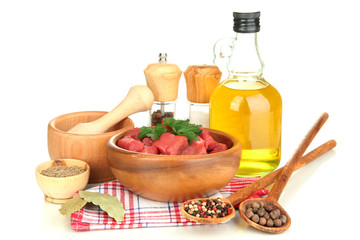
(52, 124)
(236, 145)
(81, 175)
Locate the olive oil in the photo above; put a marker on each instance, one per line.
(251, 111)
(245, 104)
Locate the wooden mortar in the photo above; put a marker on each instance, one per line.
(90, 148)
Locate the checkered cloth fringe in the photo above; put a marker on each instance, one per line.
(141, 212)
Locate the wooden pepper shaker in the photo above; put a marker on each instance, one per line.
(201, 80)
(163, 80)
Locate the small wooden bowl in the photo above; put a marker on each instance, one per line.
(90, 148)
(175, 178)
(61, 189)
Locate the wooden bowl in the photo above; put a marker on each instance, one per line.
(61, 189)
(90, 148)
(175, 178)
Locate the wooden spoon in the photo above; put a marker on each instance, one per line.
(265, 181)
(139, 98)
(272, 200)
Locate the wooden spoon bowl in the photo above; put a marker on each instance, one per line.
(208, 220)
(267, 202)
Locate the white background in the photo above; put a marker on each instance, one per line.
(65, 56)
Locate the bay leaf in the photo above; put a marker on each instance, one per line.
(72, 205)
(109, 204)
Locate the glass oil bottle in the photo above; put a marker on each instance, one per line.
(245, 104)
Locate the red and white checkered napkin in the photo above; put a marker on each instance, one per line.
(141, 212)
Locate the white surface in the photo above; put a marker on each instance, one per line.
(65, 56)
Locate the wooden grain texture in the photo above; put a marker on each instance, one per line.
(139, 99)
(265, 181)
(175, 178)
(90, 148)
(163, 80)
(282, 180)
(270, 178)
(201, 80)
(290, 165)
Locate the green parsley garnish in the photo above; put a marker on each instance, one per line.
(153, 133)
(178, 127)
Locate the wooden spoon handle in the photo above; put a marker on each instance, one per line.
(265, 181)
(290, 165)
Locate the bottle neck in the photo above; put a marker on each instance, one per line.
(246, 62)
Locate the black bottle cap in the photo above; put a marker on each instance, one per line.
(248, 22)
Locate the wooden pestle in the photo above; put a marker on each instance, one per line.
(139, 98)
(267, 180)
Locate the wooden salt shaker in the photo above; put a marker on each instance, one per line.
(163, 80)
(201, 80)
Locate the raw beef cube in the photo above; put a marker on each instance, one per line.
(200, 140)
(195, 148)
(151, 149)
(219, 148)
(170, 144)
(147, 141)
(209, 141)
(131, 144)
(134, 133)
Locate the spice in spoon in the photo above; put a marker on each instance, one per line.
(265, 215)
(209, 208)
